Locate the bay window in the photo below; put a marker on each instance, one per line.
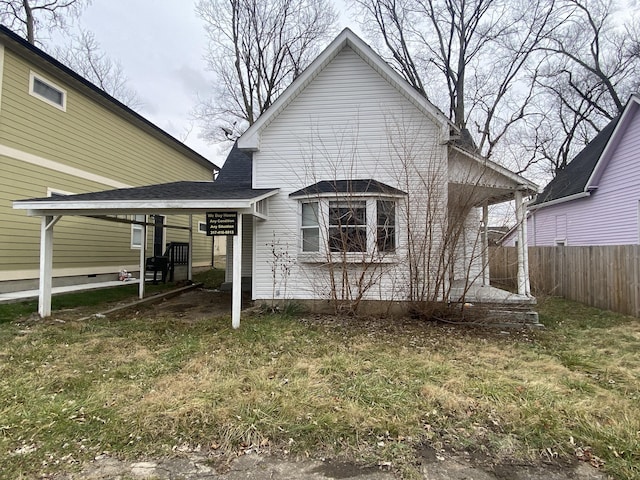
(348, 225)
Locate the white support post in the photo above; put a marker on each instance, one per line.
(190, 266)
(522, 290)
(143, 254)
(236, 303)
(485, 244)
(525, 249)
(46, 265)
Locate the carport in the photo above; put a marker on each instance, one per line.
(121, 205)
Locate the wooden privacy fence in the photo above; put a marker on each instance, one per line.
(606, 277)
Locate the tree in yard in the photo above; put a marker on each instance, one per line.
(480, 51)
(25, 16)
(536, 80)
(256, 49)
(85, 57)
(591, 67)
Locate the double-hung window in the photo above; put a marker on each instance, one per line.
(310, 227)
(386, 226)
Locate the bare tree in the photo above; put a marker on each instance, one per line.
(85, 56)
(26, 16)
(256, 49)
(591, 68)
(480, 48)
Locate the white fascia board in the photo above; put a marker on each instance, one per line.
(575, 196)
(250, 140)
(629, 110)
(140, 206)
(265, 195)
(514, 177)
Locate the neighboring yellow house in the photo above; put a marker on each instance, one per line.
(60, 134)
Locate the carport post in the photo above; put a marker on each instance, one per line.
(236, 281)
(190, 266)
(143, 254)
(46, 265)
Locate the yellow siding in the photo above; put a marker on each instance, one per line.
(90, 137)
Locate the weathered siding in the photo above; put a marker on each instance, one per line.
(610, 215)
(86, 148)
(349, 122)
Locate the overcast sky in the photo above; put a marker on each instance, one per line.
(161, 45)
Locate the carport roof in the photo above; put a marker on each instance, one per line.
(183, 195)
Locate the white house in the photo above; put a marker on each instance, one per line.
(378, 196)
(351, 187)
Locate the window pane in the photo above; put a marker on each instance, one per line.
(48, 92)
(310, 239)
(348, 239)
(386, 213)
(309, 214)
(347, 213)
(136, 236)
(348, 226)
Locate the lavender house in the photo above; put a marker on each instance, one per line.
(595, 200)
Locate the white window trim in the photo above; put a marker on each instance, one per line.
(202, 224)
(33, 76)
(372, 254)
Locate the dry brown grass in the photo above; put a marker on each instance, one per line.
(367, 389)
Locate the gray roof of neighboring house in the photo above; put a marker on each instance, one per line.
(574, 177)
(115, 103)
(347, 186)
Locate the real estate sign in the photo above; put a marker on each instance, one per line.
(222, 223)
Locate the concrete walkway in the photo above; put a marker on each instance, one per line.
(264, 467)
(29, 294)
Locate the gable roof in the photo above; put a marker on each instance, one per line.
(55, 67)
(582, 174)
(250, 139)
(365, 186)
(573, 178)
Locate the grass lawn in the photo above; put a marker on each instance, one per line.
(364, 389)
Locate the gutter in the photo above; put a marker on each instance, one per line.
(557, 201)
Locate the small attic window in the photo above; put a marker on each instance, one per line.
(47, 91)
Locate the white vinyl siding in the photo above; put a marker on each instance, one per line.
(349, 123)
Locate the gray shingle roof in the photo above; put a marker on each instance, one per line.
(347, 186)
(573, 178)
(237, 169)
(166, 191)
